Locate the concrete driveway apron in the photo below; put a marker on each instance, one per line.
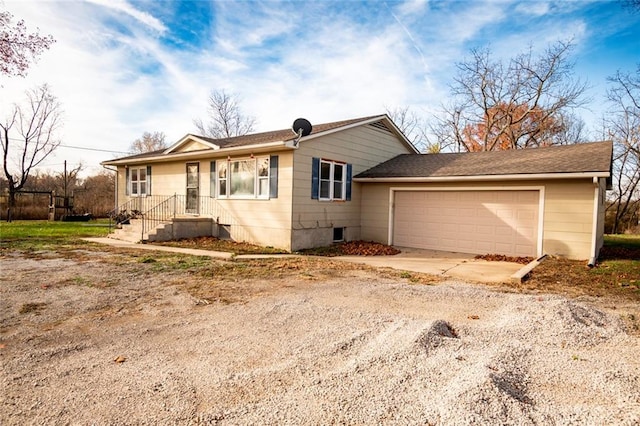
(448, 264)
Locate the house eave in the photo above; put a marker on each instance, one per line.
(538, 176)
(196, 155)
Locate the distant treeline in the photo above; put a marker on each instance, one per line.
(93, 194)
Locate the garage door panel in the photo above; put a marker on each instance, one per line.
(502, 222)
(504, 248)
(484, 247)
(526, 215)
(485, 214)
(525, 233)
(505, 213)
(485, 230)
(467, 212)
(467, 229)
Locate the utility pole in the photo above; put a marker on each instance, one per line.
(65, 179)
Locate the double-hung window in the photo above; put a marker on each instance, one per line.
(244, 178)
(331, 180)
(138, 181)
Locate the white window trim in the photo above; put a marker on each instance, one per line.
(138, 181)
(256, 179)
(332, 165)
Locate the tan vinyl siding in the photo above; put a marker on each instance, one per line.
(313, 220)
(567, 214)
(171, 178)
(265, 222)
(121, 183)
(601, 215)
(375, 212)
(258, 221)
(568, 219)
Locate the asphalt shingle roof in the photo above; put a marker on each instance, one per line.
(256, 138)
(277, 135)
(585, 157)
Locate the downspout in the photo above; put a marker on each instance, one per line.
(594, 226)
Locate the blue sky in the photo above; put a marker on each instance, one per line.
(121, 68)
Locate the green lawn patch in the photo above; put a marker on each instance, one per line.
(44, 235)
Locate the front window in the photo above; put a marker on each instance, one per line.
(138, 181)
(245, 178)
(332, 180)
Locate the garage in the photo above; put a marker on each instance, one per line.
(479, 221)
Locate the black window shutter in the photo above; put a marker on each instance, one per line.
(315, 178)
(127, 181)
(212, 180)
(148, 180)
(273, 176)
(349, 180)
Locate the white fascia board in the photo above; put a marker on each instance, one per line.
(194, 155)
(485, 177)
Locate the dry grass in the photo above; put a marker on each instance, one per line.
(215, 244)
(32, 308)
(619, 278)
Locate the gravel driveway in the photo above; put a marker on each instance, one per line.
(101, 340)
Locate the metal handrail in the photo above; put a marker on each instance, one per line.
(132, 209)
(156, 210)
(163, 212)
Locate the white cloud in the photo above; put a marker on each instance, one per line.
(320, 60)
(125, 7)
(534, 8)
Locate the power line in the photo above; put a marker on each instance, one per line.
(93, 149)
(82, 148)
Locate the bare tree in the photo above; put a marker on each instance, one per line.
(148, 142)
(406, 120)
(414, 128)
(570, 130)
(225, 119)
(18, 47)
(95, 194)
(28, 137)
(623, 123)
(523, 103)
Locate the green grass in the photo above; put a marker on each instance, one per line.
(45, 235)
(623, 240)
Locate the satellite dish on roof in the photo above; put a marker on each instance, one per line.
(301, 127)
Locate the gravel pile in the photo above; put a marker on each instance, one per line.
(353, 350)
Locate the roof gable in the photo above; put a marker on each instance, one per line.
(192, 143)
(579, 158)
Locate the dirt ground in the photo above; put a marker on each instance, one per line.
(99, 337)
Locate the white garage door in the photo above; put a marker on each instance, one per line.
(482, 222)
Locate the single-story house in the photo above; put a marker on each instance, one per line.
(362, 179)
